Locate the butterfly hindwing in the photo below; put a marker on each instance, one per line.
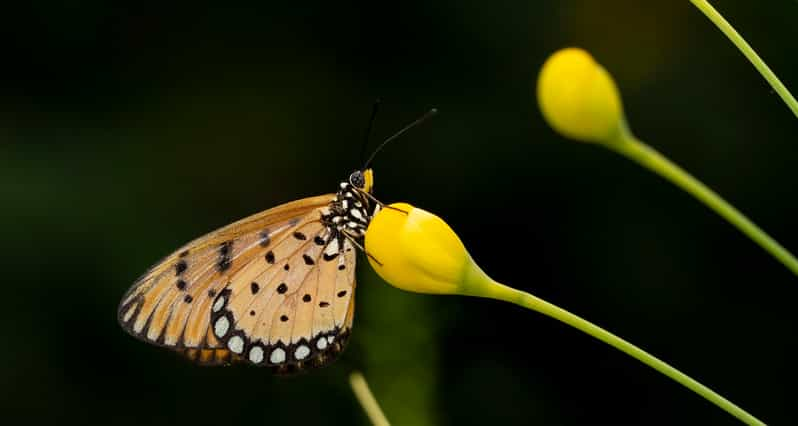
(284, 315)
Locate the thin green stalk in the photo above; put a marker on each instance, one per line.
(749, 52)
(367, 400)
(648, 157)
(526, 300)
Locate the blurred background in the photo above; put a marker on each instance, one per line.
(126, 131)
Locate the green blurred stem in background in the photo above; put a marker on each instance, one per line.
(648, 157)
(749, 52)
(367, 400)
(499, 291)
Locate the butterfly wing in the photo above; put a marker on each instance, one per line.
(297, 312)
(238, 269)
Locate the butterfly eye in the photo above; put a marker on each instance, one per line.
(357, 180)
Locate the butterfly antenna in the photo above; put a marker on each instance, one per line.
(374, 109)
(418, 121)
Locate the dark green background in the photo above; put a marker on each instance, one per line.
(127, 130)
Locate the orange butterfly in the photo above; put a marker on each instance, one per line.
(274, 289)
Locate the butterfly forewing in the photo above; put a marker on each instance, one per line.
(252, 288)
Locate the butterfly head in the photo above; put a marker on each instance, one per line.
(362, 180)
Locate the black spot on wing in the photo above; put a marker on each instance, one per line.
(180, 267)
(329, 257)
(225, 256)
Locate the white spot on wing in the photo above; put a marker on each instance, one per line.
(219, 304)
(302, 352)
(221, 327)
(330, 339)
(152, 333)
(129, 313)
(332, 248)
(236, 344)
(277, 356)
(131, 297)
(139, 324)
(356, 214)
(321, 343)
(256, 354)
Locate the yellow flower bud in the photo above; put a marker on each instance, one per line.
(579, 98)
(417, 251)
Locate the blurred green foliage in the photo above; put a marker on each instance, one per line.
(127, 130)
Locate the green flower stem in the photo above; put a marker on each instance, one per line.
(749, 53)
(367, 400)
(498, 291)
(648, 157)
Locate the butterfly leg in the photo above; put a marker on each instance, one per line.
(353, 240)
(380, 203)
(397, 209)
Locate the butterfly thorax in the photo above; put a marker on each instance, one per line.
(349, 213)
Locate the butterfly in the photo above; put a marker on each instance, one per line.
(275, 289)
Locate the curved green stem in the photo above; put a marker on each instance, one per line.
(367, 400)
(499, 291)
(749, 52)
(648, 157)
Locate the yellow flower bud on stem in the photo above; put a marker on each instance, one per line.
(578, 97)
(580, 100)
(417, 251)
